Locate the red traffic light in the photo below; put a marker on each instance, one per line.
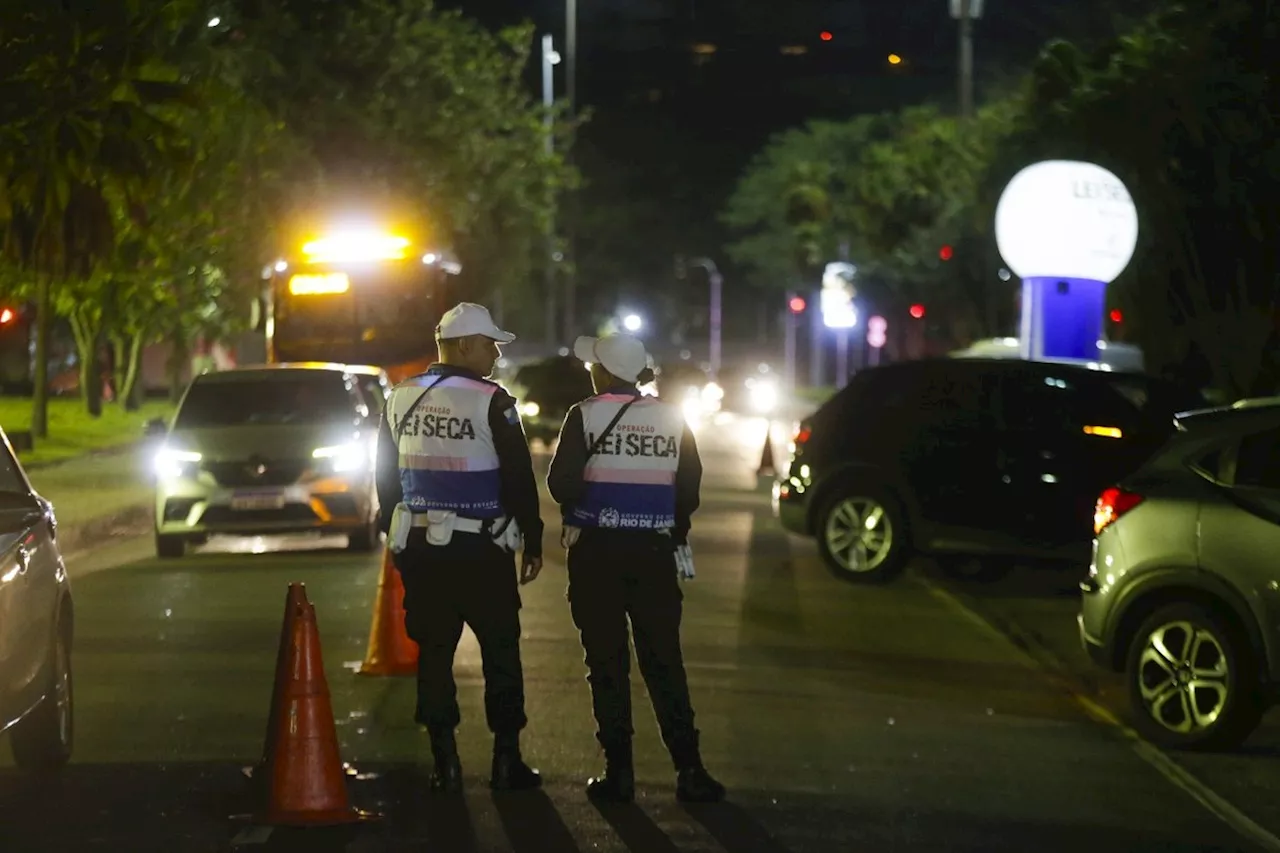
(796, 304)
(825, 35)
(945, 253)
(1117, 316)
(6, 316)
(917, 311)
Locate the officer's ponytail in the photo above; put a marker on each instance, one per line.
(646, 376)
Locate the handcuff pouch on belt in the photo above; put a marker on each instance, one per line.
(401, 524)
(442, 524)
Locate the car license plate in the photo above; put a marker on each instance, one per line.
(257, 500)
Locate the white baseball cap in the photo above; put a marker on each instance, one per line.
(622, 355)
(466, 319)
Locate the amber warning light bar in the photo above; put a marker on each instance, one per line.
(308, 285)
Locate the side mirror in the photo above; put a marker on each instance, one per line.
(155, 428)
(46, 511)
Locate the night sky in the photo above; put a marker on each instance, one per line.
(671, 129)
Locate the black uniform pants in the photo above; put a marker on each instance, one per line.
(471, 581)
(614, 576)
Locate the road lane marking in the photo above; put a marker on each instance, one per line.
(251, 835)
(1045, 663)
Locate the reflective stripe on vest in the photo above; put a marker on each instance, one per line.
(446, 452)
(631, 479)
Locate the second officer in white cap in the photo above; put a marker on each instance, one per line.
(626, 474)
(459, 498)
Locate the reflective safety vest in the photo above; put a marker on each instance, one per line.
(446, 452)
(631, 478)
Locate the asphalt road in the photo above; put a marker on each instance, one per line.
(842, 718)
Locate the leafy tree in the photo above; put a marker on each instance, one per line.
(78, 132)
(891, 189)
(404, 105)
(1183, 110)
(921, 190)
(786, 206)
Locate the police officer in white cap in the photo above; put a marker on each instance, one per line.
(459, 497)
(626, 475)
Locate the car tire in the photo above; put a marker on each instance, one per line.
(169, 547)
(366, 539)
(43, 739)
(1173, 707)
(851, 550)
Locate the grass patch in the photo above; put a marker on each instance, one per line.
(72, 432)
(817, 395)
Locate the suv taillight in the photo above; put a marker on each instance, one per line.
(1112, 504)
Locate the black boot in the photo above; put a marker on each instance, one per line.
(618, 784)
(446, 776)
(510, 773)
(693, 783)
(696, 785)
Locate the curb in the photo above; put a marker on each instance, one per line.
(86, 535)
(1030, 642)
(114, 450)
(1063, 676)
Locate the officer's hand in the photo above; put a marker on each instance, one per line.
(529, 569)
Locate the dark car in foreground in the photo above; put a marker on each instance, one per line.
(1182, 594)
(961, 458)
(35, 624)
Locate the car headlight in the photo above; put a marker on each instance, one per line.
(764, 396)
(173, 464)
(344, 458)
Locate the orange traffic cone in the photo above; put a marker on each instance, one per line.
(303, 777)
(294, 601)
(766, 468)
(390, 652)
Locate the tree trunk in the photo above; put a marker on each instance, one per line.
(178, 359)
(40, 393)
(119, 364)
(138, 395)
(128, 385)
(88, 338)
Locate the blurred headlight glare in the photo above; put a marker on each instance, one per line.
(344, 458)
(170, 464)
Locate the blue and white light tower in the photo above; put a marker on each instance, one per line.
(1068, 229)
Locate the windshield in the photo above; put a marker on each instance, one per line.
(283, 399)
(13, 487)
(394, 296)
(1156, 397)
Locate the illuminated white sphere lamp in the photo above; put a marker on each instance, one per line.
(838, 292)
(1067, 229)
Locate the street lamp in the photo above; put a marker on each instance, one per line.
(717, 283)
(571, 39)
(550, 59)
(632, 322)
(966, 12)
(571, 93)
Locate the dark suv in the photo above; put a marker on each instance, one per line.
(968, 457)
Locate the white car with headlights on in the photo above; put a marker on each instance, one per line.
(266, 450)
